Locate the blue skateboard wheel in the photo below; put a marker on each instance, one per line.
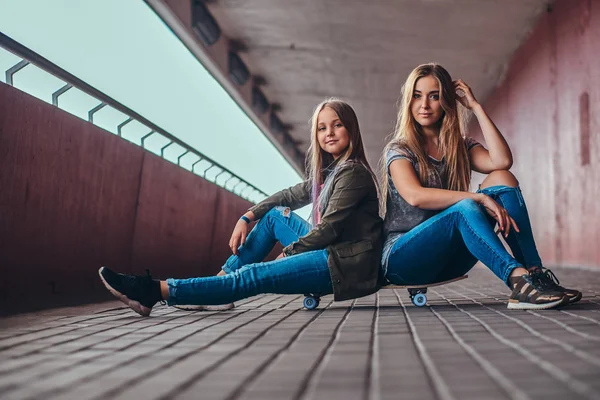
(419, 300)
(310, 303)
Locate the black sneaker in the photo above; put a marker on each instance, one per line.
(140, 293)
(573, 295)
(535, 291)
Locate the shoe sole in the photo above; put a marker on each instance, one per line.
(576, 298)
(517, 305)
(223, 307)
(133, 304)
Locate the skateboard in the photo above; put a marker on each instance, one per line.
(418, 293)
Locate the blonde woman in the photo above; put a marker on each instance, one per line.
(340, 253)
(435, 228)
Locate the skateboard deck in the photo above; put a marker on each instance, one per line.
(423, 286)
(418, 293)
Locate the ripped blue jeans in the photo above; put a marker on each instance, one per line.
(449, 244)
(248, 276)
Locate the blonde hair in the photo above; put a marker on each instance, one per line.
(318, 161)
(408, 133)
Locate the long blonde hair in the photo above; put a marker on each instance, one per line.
(408, 133)
(320, 164)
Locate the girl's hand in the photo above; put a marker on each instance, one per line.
(238, 237)
(464, 94)
(500, 214)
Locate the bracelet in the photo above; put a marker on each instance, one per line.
(243, 217)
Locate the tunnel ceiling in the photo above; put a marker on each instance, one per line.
(362, 51)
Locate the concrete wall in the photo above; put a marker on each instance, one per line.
(74, 197)
(548, 108)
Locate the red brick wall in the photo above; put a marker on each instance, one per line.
(540, 108)
(74, 197)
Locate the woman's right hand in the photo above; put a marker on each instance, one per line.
(238, 237)
(499, 213)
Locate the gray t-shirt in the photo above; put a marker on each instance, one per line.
(400, 216)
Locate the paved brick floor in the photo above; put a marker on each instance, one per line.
(465, 345)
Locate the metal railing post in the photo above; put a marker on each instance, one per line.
(14, 69)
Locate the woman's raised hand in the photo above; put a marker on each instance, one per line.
(238, 237)
(464, 94)
(499, 213)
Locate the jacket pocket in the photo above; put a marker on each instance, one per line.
(353, 248)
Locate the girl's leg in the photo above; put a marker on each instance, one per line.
(302, 273)
(421, 255)
(280, 224)
(504, 188)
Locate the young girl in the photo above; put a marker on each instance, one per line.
(341, 253)
(435, 228)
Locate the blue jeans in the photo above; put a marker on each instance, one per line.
(247, 276)
(449, 244)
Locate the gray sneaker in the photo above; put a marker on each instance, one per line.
(190, 307)
(573, 295)
(535, 291)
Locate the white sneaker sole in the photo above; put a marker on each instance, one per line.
(133, 304)
(517, 305)
(575, 299)
(221, 307)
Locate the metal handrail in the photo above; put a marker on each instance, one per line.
(31, 57)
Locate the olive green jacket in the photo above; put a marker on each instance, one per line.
(350, 230)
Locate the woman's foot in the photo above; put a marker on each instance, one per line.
(573, 295)
(535, 291)
(140, 293)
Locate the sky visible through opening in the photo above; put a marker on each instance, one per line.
(122, 48)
